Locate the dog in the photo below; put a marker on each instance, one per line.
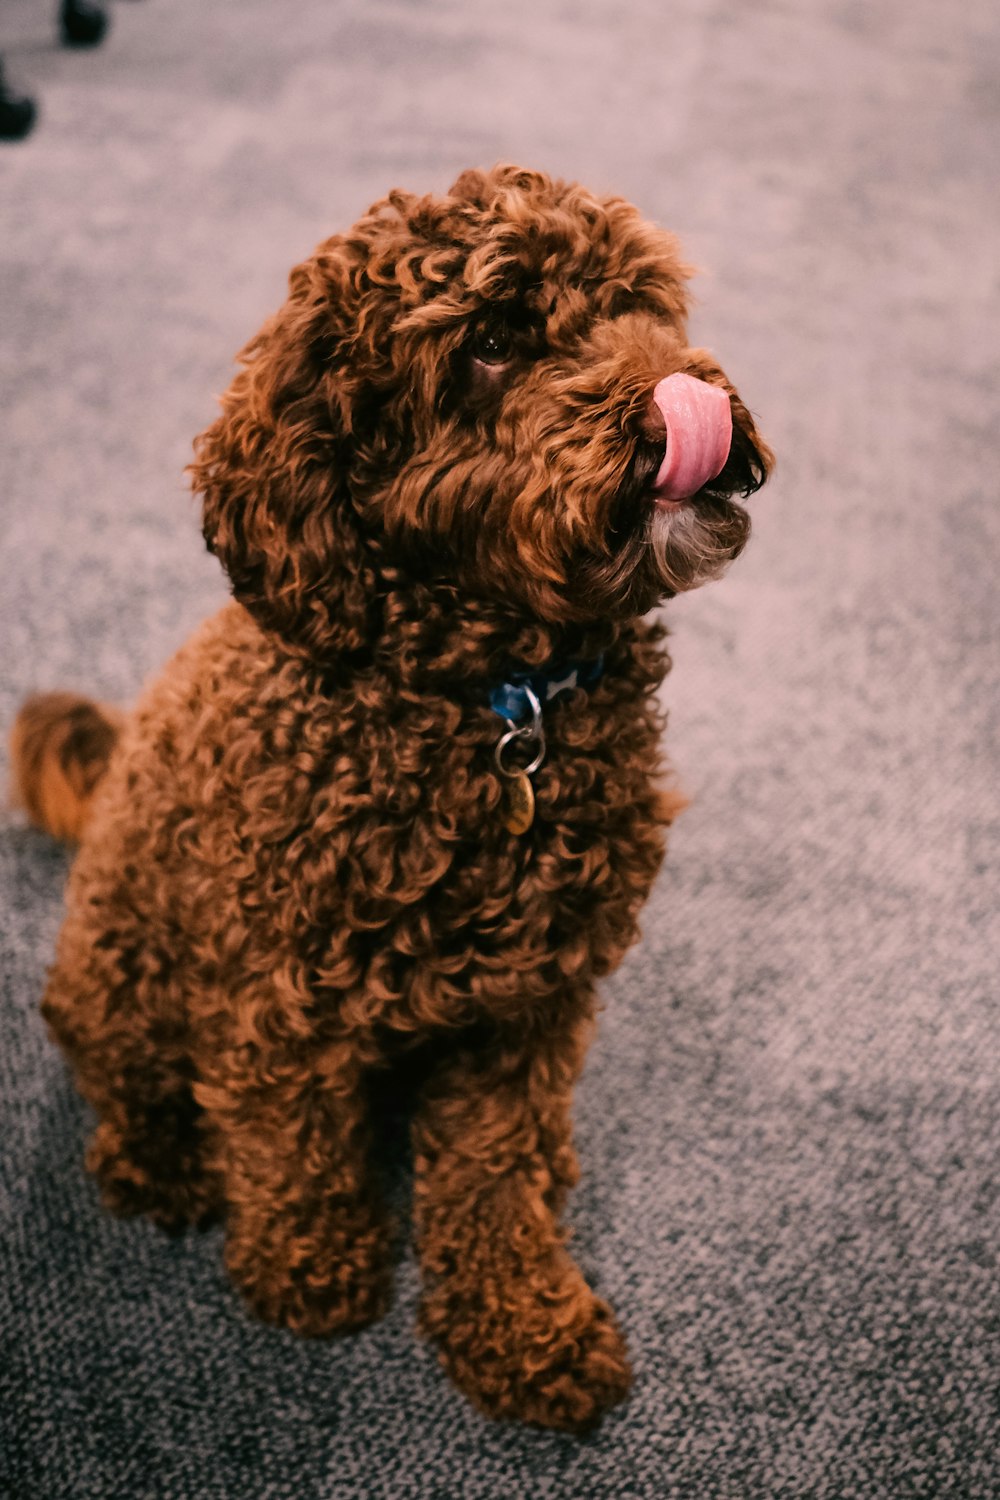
(400, 802)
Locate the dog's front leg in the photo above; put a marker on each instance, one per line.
(307, 1241)
(519, 1330)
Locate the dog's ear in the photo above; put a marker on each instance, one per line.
(273, 467)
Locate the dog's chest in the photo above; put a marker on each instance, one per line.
(429, 893)
(432, 774)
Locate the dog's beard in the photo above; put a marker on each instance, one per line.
(696, 541)
(657, 551)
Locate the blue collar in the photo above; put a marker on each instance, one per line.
(511, 702)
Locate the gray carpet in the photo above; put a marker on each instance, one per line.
(790, 1119)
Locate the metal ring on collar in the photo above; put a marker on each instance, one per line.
(533, 764)
(530, 732)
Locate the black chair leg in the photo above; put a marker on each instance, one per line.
(82, 23)
(17, 111)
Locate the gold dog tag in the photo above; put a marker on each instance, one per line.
(520, 802)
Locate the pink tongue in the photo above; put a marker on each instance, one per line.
(699, 431)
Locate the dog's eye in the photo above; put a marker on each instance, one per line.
(492, 346)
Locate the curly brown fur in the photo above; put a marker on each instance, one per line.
(434, 468)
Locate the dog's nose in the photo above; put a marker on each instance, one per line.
(652, 425)
(697, 432)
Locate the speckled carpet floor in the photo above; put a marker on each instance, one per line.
(791, 1118)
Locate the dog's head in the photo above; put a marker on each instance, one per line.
(461, 389)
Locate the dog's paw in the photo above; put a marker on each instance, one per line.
(312, 1290)
(559, 1363)
(173, 1192)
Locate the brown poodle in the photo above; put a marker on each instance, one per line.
(399, 803)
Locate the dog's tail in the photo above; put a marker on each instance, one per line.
(60, 748)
